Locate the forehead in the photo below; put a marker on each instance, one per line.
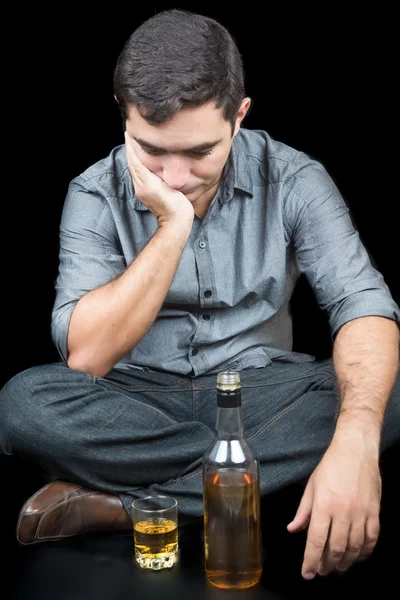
(200, 124)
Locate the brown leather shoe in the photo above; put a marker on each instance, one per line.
(62, 509)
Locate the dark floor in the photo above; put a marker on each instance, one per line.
(102, 566)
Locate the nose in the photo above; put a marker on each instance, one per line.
(176, 173)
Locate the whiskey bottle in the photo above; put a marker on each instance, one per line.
(231, 496)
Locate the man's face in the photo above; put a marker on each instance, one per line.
(188, 152)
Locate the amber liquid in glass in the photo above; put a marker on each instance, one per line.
(232, 539)
(156, 543)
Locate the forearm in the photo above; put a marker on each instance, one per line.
(366, 360)
(109, 321)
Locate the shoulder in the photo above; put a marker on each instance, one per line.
(91, 194)
(107, 177)
(274, 161)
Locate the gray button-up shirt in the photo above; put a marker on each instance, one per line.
(277, 213)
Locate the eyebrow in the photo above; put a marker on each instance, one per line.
(199, 148)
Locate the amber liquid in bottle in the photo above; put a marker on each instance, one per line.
(232, 531)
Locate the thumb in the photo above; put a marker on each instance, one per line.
(303, 514)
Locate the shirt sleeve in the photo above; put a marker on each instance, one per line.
(329, 250)
(89, 255)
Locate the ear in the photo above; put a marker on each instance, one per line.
(241, 113)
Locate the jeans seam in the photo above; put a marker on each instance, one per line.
(184, 478)
(328, 375)
(133, 388)
(160, 389)
(266, 384)
(148, 405)
(195, 388)
(280, 414)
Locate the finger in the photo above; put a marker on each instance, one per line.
(130, 150)
(303, 514)
(336, 545)
(354, 544)
(135, 166)
(372, 529)
(317, 536)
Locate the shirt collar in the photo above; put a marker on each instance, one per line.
(236, 175)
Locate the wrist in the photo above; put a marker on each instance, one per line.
(179, 223)
(360, 430)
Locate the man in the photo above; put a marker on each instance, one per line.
(179, 253)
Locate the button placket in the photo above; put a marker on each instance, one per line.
(201, 252)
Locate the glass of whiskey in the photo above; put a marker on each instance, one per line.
(155, 531)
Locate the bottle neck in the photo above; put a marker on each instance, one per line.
(229, 422)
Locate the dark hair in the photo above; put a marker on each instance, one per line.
(178, 59)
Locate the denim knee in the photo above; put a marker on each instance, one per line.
(17, 407)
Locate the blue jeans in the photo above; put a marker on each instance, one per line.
(134, 433)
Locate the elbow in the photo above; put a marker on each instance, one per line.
(78, 362)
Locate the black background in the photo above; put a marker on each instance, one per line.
(301, 73)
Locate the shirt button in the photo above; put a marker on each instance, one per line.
(208, 293)
(206, 317)
(202, 244)
(194, 352)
